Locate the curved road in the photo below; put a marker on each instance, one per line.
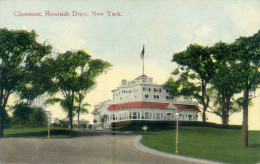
(93, 147)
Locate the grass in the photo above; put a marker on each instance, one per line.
(223, 145)
(39, 133)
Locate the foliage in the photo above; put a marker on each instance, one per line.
(248, 64)
(225, 80)
(26, 116)
(20, 56)
(196, 59)
(70, 73)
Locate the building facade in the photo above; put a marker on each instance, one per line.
(142, 99)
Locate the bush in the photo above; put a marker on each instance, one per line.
(26, 116)
(90, 126)
(81, 126)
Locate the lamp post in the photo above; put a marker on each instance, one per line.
(48, 121)
(177, 133)
(144, 129)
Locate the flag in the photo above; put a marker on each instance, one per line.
(142, 53)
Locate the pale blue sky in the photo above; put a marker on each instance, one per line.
(164, 27)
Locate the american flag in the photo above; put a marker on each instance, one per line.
(142, 53)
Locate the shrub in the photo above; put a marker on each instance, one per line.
(26, 116)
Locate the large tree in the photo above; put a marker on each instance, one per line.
(248, 65)
(198, 59)
(225, 79)
(20, 55)
(70, 73)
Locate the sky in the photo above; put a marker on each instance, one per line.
(164, 27)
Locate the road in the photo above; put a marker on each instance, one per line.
(92, 148)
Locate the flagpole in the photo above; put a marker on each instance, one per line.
(143, 66)
(142, 57)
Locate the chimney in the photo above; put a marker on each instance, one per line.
(123, 82)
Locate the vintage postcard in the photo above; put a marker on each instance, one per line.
(120, 81)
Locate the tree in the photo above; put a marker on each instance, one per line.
(70, 73)
(198, 59)
(81, 106)
(20, 54)
(225, 79)
(248, 65)
(183, 86)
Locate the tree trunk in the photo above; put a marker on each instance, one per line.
(245, 118)
(79, 111)
(3, 113)
(225, 111)
(70, 120)
(71, 111)
(1, 122)
(204, 84)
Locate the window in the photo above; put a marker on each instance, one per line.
(146, 96)
(149, 89)
(169, 97)
(168, 117)
(143, 88)
(142, 115)
(155, 90)
(190, 117)
(162, 116)
(158, 116)
(134, 115)
(160, 90)
(130, 115)
(156, 96)
(114, 118)
(147, 115)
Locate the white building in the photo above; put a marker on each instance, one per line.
(141, 99)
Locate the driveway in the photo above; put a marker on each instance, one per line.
(92, 147)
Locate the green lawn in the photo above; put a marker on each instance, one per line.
(224, 145)
(39, 133)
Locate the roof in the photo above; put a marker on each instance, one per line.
(141, 77)
(149, 105)
(94, 111)
(187, 107)
(139, 105)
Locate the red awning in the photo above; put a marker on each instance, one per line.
(187, 107)
(94, 111)
(138, 105)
